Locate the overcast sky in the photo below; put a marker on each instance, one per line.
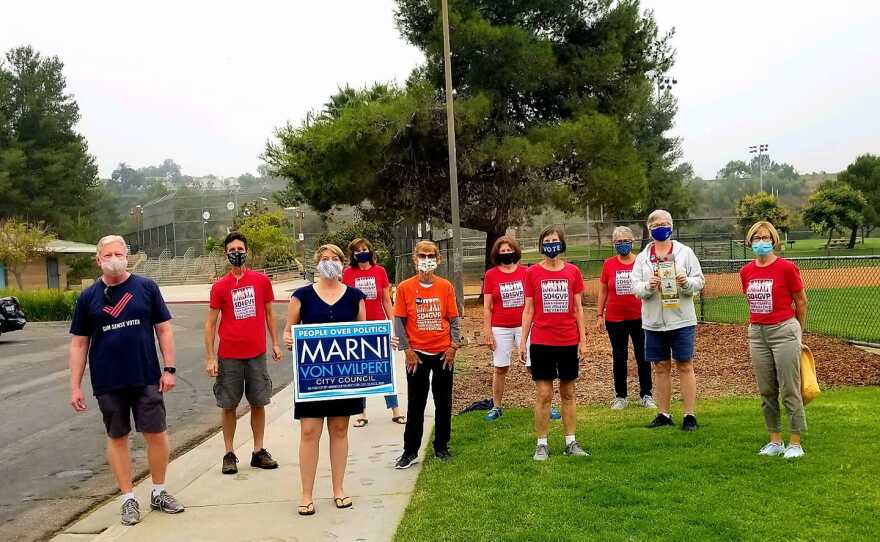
(206, 83)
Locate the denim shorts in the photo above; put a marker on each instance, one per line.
(677, 344)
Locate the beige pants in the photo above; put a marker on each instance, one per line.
(776, 355)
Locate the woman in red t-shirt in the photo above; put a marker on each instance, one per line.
(620, 312)
(503, 302)
(365, 274)
(554, 319)
(777, 313)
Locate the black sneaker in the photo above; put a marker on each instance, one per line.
(405, 461)
(660, 421)
(443, 455)
(689, 423)
(263, 460)
(229, 464)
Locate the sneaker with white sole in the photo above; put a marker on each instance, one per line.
(494, 414)
(619, 403)
(647, 402)
(164, 502)
(542, 453)
(773, 449)
(574, 449)
(794, 451)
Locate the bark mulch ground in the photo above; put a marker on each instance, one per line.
(722, 366)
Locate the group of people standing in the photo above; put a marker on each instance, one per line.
(645, 299)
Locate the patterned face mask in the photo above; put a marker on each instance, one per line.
(428, 264)
(623, 248)
(330, 269)
(236, 259)
(114, 266)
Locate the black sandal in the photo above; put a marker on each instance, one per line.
(361, 422)
(399, 419)
(306, 509)
(340, 502)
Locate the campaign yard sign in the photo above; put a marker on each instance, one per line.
(343, 361)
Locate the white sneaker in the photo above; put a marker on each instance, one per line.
(619, 403)
(794, 451)
(647, 401)
(773, 449)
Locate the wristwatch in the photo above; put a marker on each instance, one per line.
(170, 370)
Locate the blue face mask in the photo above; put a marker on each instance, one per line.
(623, 248)
(362, 257)
(552, 250)
(762, 248)
(661, 233)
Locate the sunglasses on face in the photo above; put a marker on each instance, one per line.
(426, 256)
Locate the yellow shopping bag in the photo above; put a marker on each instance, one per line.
(809, 383)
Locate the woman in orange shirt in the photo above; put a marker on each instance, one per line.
(427, 324)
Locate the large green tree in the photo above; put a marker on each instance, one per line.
(46, 172)
(761, 206)
(864, 176)
(836, 206)
(553, 102)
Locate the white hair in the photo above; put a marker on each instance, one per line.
(621, 231)
(659, 213)
(109, 240)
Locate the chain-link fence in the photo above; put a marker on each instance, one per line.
(843, 295)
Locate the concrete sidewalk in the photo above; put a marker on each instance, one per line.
(261, 505)
(201, 293)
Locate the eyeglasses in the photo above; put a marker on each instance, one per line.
(426, 256)
(623, 241)
(762, 238)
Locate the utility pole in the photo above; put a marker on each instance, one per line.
(457, 264)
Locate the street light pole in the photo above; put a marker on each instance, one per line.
(453, 169)
(760, 150)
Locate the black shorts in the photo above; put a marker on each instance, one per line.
(552, 362)
(145, 403)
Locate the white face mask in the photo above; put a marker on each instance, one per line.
(330, 269)
(428, 264)
(114, 266)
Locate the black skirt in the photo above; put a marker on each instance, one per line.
(331, 407)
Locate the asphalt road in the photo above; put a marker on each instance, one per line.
(52, 462)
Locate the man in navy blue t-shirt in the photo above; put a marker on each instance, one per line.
(113, 325)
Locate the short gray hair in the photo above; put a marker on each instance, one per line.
(659, 213)
(109, 240)
(621, 231)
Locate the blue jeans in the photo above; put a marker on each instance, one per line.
(391, 401)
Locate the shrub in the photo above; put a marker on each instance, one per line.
(45, 305)
(279, 255)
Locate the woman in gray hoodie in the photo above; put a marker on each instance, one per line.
(666, 276)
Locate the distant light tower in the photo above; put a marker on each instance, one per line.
(760, 150)
(665, 83)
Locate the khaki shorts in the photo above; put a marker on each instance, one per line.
(242, 377)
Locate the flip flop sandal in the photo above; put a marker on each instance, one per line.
(306, 510)
(399, 419)
(360, 422)
(340, 502)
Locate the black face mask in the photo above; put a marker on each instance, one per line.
(236, 259)
(506, 258)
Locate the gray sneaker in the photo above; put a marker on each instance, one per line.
(773, 449)
(619, 403)
(542, 453)
(647, 402)
(131, 512)
(575, 449)
(164, 502)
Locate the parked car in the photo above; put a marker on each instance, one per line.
(11, 316)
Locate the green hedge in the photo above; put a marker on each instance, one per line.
(45, 305)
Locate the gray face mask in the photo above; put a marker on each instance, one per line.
(330, 269)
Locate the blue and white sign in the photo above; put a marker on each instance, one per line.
(342, 361)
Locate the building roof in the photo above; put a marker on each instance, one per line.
(59, 246)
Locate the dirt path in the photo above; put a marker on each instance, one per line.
(722, 366)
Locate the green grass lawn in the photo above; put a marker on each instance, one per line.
(816, 247)
(850, 313)
(659, 484)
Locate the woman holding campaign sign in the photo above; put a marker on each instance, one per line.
(365, 274)
(620, 312)
(777, 313)
(554, 319)
(428, 327)
(667, 276)
(326, 301)
(503, 302)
